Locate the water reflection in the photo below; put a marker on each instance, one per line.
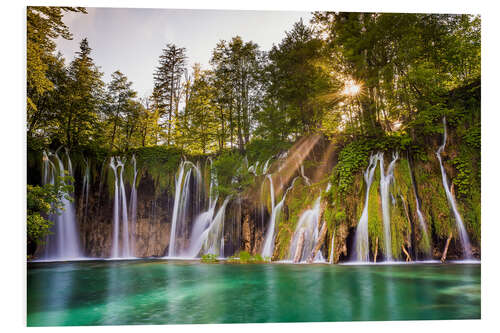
(159, 292)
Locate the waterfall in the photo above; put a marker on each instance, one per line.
(386, 177)
(267, 249)
(64, 242)
(361, 246)
(203, 220)
(182, 197)
(125, 233)
(116, 212)
(462, 233)
(211, 239)
(265, 168)
(421, 219)
(120, 201)
(307, 232)
(133, 207)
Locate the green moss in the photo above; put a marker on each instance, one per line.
(375, 220)
(160, 163)
(209, 258)
(299, 198)
(244, 257)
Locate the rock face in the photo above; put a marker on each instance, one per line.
(152, 230)
(243, 226)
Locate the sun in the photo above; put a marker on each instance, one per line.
(351, 88)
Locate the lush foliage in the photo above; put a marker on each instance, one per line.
(41, 202)
(244, 257)
(209, 258)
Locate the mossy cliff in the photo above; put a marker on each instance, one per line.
(337, 162)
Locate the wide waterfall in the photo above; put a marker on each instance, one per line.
(306, 235)
(386, 177)
(462, 233)
(267, 249)
(120, 247)
(64, 242)
(361, 246)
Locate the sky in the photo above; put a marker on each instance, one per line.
(131, 40)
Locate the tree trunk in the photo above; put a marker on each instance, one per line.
(376, 250)
(445, 251)
(300, 245)
(408, 257)
(321, 239)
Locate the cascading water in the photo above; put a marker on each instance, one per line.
(307, 233)
(462, 233)
(203, 220)
(361, 249)
(386, 177)
(116, 212)
(211, 240)
(120, 201)
(182, 195)
(64, 242)
(265, 168)
(125, 232)
(267, 249)
(133, 206)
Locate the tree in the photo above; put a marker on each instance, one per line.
(80, 119)
(295, 78)
(167, 79)
(121, 107)
(236, 66)
(402, 61)
(43, 25)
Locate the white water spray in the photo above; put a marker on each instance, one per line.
(361, 245)
(386, 177)
(308, 225)
(462, 233)
(267, 249)
(64, 243)
(133, 207)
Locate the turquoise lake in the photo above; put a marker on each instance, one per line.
(188, 292)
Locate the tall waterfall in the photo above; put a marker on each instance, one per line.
(133, 206)
(307, 233)
(267, 249)
(386, 177)
(181, 201)
(361, 246)
(120, 213)
(64, 242)
(204, 220)
(462, 233)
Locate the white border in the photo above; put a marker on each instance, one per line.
(14, 161)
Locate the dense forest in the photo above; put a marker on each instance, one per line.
(333, 92)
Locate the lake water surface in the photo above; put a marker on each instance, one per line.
(187, 292)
